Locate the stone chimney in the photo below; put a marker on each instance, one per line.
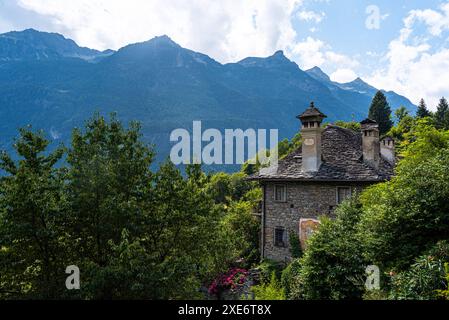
(371, 143)
(311, 132)
(387, 149)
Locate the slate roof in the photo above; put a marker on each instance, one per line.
(342, 161)
(312, 111)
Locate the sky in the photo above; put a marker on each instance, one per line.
(400, 45)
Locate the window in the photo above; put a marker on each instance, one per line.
(280, 193)
(343, 193)
(280, 237)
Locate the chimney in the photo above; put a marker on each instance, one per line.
(311, 132)
(371, 143)
(387, 149)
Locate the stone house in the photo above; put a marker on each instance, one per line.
(332, 164)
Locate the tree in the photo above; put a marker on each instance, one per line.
(353, 125)
(401, 113)
(422, 111)
(425, 279)
(404, 217)
(380, 112)
(442, 115)
(108, 182)
(32, 251)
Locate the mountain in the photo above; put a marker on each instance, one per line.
(360, 88)
(34, 45)
(319, 75)
(50, 82)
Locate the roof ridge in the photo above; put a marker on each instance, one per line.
(331, 125)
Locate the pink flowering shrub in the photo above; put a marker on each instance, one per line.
(232, 280)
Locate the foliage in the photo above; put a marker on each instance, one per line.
(267, 267)
(295, 246)
(425, 279)
(231, 280)
(269, 291)
(445, 293)
(380, 111)
(333, 265)
(422, 111)
(225, 188)
(32, 214)
(404, 217)
(134, 233)
(353, 125)
(289, 274)
(401, 113)
(442, 115)
(244, 228)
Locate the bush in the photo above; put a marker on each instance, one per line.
(243, 230)
(425, 279)
(333, 266)
(405, 217)
(269, 291)
(445, 293)
(288, 276)
(267, 268)
(295, 246)
(232, 280)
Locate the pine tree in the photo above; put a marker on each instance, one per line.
(380, 111)
(422, 110)
(32, 247)
(442, 115)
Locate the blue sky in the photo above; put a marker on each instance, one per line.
(399, 45)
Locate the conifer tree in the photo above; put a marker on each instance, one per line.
(442, 115)
(31, 215)
(422, 110)
(380, 111)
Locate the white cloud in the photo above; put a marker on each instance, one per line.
(343, 75)
(311, 16)
(308, 53)
(340, 60)
(415, 68)
(226, 30)
(313, 52)
(436, 21)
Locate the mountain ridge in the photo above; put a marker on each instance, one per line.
(164, 86)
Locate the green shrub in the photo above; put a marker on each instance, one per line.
(425, 279)
(295, 246)
(269, 291)
(445, 293)
(333, 266)
(403, 218)
(288, 276)
(267, 268)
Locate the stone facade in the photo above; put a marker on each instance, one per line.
(304, 200)
(332, 164)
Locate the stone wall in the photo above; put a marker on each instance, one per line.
(306, 200)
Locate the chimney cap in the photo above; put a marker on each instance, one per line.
(369, 124)
(312, 112)
(368, 121)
